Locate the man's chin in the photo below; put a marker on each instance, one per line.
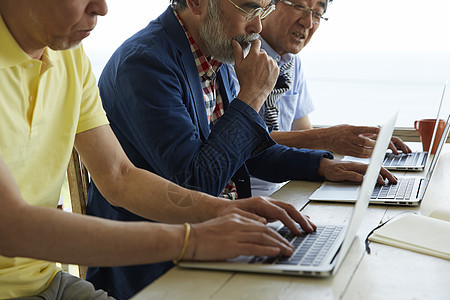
(65, 45)
(229, 59)
(225, 60)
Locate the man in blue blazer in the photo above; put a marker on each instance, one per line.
(174, 109)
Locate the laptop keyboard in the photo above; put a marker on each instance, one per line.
(310, 249)
(401, 190)
(401, 159)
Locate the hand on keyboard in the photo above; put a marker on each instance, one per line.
(336, 170)
(271, 210)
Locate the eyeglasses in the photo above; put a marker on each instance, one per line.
(257, 12)
(303, 11)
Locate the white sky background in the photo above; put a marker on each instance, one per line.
(356, 25)
(124, 18)
(385, 25)
(359, 26)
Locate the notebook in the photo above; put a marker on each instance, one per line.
(414, 161)
(408, 191)
(333, 241)
(418, 233)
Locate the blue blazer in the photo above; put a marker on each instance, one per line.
(152, 94)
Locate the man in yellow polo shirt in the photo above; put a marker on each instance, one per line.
(49, 102)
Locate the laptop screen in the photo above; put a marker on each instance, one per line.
(370, 179)
(439, 148)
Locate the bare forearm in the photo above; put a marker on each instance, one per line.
(340, 139)
(50, 234)
(138, 190)
(155, 198)
(310, 138)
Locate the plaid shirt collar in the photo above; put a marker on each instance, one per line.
(206, 67)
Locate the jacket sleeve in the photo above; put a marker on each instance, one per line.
(280, 163)
(153, 112)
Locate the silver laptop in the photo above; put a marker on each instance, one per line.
(414, 161)
(408, 191)
(320, 253)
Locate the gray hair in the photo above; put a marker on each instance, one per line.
(276, 1)
(178, 5)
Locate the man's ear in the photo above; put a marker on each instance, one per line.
(195, 6)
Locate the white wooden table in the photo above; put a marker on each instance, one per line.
(387, 273)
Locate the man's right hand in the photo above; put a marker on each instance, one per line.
(336, 170)
(240, 229)
(358, 141)
(257, 74)
(232, 235)
(265, 209)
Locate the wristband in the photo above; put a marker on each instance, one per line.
(186, 239)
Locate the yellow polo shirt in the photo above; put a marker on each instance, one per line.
(43, 104)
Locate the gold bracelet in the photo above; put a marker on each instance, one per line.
(186, 239)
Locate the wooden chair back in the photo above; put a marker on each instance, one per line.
(78, 179)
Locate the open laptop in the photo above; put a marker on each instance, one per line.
(414, 161)
(408, 191)
(334, 240)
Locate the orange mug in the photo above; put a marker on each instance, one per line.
(426, 128)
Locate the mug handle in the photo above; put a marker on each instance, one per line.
(416, 123)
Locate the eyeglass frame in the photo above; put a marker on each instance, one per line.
(260, 12)
(305, 10)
